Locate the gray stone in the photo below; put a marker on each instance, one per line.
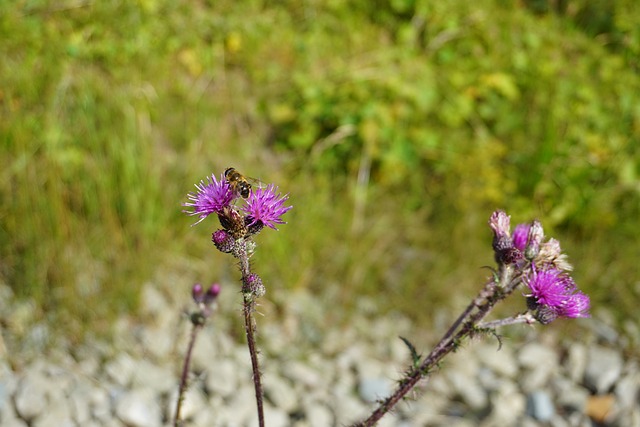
(160, 379)
(507, 406)
(121, 369)
(627, 389)
(193, 403)
(501, 361)
(540, 364)
(576, 362)
(469, 389)
(30, 398)
(533, 355)
(240, 410)
(222, 377)
(280, 392)
(373, 389)
(604, 367)
(318, 415)
(303, 375)
(273, 417)
(540, 406)
(78, 401)
(157, 342)
(138, 408)
(570, 397)
(100, 403)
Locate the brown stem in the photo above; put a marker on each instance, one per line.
(185, 372)
(249, 300)
(491, 294)
(249, 325)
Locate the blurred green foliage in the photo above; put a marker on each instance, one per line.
(397, 126)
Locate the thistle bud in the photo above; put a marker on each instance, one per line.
(223, 241)
(534, 239)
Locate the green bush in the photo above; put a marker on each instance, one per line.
(397, 127)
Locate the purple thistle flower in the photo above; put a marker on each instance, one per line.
(265, 206)
(547, 288)
(556, 291)
(210, 198)
(521, 236)
(576, 305)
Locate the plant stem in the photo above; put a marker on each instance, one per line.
(185, 372)
(466, 324)
(249, 325)
(520, 318)
(249, 303)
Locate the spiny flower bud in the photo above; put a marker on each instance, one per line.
(223, 241)
(253, 284)
(505, 251)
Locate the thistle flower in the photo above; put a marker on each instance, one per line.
(266, 207)
(521, 236)
(211, 197)
(555, 294)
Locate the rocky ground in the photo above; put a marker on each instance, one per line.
(318, 378)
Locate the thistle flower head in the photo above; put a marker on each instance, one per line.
(210, 197)
(554, 292)
(266, 206)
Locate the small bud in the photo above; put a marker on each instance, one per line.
(223, 241)
(500, 223)
(197, 293)
(534, 239)
(212, 294)
(253, 284)
(505, 252)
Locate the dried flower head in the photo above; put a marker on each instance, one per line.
(551, 256)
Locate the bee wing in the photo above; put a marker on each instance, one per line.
(256, 182)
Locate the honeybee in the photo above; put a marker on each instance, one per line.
(239, 183)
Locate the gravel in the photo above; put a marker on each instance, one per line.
(530, 379)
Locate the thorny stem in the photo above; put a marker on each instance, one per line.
(249, 304)
(185, 371)
(466, 324)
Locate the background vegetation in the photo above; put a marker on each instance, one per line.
(397, 126)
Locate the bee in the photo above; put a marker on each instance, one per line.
(239, 183)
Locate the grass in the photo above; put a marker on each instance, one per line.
(395, 141)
